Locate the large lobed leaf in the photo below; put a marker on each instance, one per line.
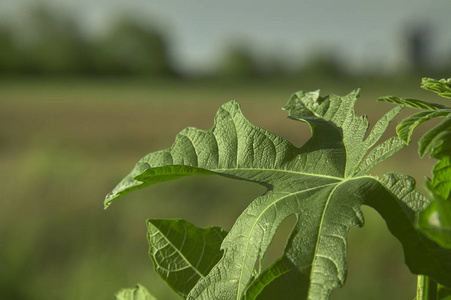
(323, 183)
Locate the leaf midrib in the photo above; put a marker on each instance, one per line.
(258, 218)
(325, 209)
(315, 255)
(224, 170)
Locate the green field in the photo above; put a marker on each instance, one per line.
(65, 143)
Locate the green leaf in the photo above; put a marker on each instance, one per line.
(434, 137)
(444, 293)
(333, 119)
(435, 220)
(394, 197)
(441, 87)
(137, 293)
(381, 125)
(182, 253)
(413, 103)
(406, 128)
(144, 175)
(422, 255)
(321, 183)
(380, 153)
(432, 222)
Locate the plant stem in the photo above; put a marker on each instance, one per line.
(426, 288)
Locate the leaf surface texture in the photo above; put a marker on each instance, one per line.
(322, 183)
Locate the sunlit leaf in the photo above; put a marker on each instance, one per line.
(435, 221)
(441, 87)
(182, 253)
(323, 184)
(413, 103)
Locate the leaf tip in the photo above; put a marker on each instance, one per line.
(110, 197)
(356, 92)
(383, 99)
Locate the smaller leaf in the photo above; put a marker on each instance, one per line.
(431, 224)
(182, 253)
(440, 184)
(413, 103)
(137, 293)
(441, 87)
(408, 125)
(435, 220)
(434, 136)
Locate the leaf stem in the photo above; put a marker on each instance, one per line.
(426, 288)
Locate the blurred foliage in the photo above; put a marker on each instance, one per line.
(52, 44)
(324, 66)
(132, 49)
(238, 62)
(11, 59)
(55, 45)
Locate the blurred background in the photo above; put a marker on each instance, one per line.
(87, 88)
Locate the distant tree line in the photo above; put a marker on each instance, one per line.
(56, 46)
(53, 44)
(49, 43)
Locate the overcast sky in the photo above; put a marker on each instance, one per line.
(361, 32)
